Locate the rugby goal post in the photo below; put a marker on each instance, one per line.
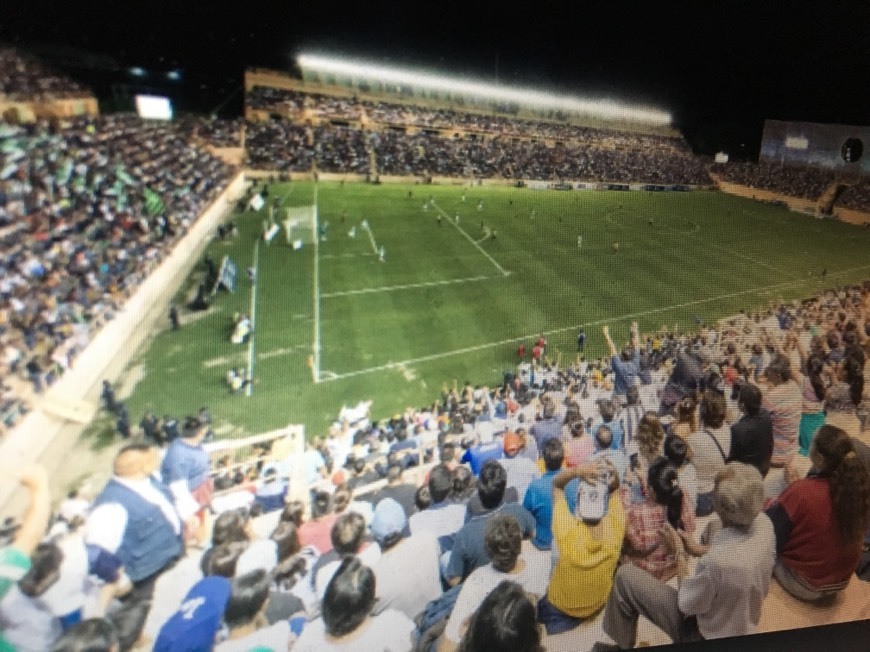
(301, 225)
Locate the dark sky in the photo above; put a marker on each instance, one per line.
(720, 67)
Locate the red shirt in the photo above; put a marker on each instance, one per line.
(815, 550)
(521, 350)
(536, 352)
(317, 533)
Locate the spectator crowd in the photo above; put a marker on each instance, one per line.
(23, 78)
(806, 182)
(676, 479)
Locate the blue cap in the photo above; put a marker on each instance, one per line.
(193, 627)
(389, 519)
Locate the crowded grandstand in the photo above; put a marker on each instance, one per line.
(676, 484)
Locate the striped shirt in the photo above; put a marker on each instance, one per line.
(784, 403)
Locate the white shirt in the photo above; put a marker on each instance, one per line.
(534, 578)
(278, 638)
(439, 522)
(169, 592)
(390, 631)
(369, 556)
(407, 575)
(520, 473)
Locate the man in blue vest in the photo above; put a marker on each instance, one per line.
(138, 519)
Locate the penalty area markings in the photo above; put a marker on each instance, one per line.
(471, 240)
(409, 286)
(480, 347)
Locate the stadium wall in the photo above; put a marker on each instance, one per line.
(852, 216)
(58, 108)
(46, 438)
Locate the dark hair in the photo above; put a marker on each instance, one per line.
(849, 481)
(713, 409)
(440, 483)
(491, 484)
(663, 480)
(853, 373)
(292, 513)
(604, 436)
(750, 399)
(341, 498)
(91, 635)
(447, 452)
(221, 560)
(359, 465)
(347, 533)
(815, 366)
(394, 472)
(44, 570)
(422, 498)
(129, 621)
(676, 450)
(503, 541)
(462, 478)
(349, 597)
(607, 408)
(779, 369)
(229, 527)
(553, 453)
(505, 620)
(286, 538)
(632, 396)
(247, 597)
(321, 504)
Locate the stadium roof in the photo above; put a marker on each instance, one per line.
(605, 109)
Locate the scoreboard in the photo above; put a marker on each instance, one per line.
(837, 147)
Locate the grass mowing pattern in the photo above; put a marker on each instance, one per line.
(681, 256)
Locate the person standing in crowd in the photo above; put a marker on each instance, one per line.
(137, 518)
(625, 365)
(186, 467)
(820, 521)
(783, 403)
(724, 596)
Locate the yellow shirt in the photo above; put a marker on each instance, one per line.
(583, 576)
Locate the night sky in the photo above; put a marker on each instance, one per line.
(719, 67)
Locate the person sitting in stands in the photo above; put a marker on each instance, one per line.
(346, 624)
(316, 532)
(820, 520)
(521, 471)
(724, 595)
(469, 551)
(539, 496)
(505, 620)
(752, 435)
(245, 617)
(589, 541)
(665, 502)
(503, 539)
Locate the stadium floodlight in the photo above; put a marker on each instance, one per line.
(606, 109)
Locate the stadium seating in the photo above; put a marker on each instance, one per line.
(23, 78)
(809, 183)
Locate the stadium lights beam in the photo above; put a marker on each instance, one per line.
(607, 109)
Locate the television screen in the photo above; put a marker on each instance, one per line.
(154, 107)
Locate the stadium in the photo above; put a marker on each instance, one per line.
(399, 357)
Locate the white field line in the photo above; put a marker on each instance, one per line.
(315, 365)
(392, 288)
(372, 240)
(480, 347)
(471, 240)
(345, 255)
(256, 265)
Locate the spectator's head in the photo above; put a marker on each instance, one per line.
(349, 597)
(686, 410)
(321, 505)
(738, 494)
(512, 444)
(712, 409)
(778, 370)
(422, 498)
(491, 484)
(45, 563)
(505, 620)
(447, 453)
(662, 479)
(221, 560)
(92, 635)
(627, 353)
(231, 527)
(462, 483)
(389, 523)
(607, 409)
(603, 437)
(632, 396)
(503, 540)
(650, 436)
(676, 450)
(853, 375)
(341, 498)
(394, 474)
(292, 513)
(347, 533)
(194, 429)
(833, 454)
(553, 453)
(359, 466)
(440, 483)
(749, 399)
(286, 538)
(136, 461)
(549, 410)
(248, 599)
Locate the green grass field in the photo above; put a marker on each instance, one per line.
(447, 304)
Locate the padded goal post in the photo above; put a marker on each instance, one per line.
(301, 225)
